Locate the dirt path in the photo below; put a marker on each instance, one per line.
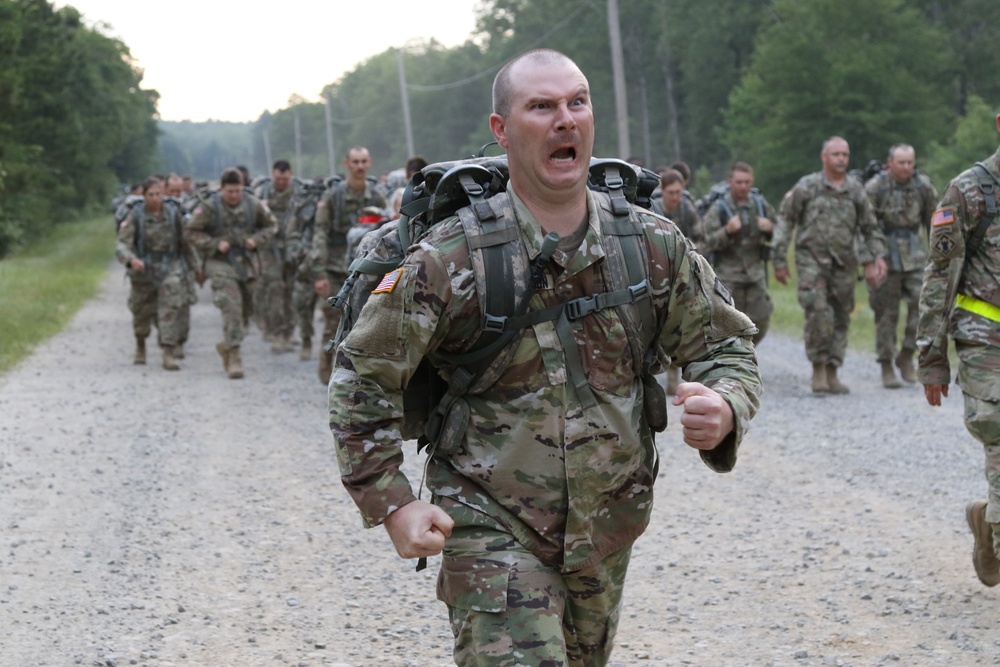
(162, 519)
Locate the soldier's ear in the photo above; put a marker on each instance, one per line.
(998, 122)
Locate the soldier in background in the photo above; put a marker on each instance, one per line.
(173, 187)
(739, 227)
(227, 227)
(152, 247)
(336, 213)
(835, 230)
(961, 297)
(903, 201)
(282, 194)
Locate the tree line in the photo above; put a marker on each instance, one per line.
(708, 81)
(74, 118)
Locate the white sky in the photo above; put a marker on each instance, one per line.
(187, 48)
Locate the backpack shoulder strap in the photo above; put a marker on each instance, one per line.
(987, 183)
(139, 210)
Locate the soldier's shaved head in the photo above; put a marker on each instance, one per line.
(502, 88)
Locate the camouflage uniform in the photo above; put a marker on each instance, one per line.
(901, 209)
(835, 230)
(977, 336)
(687, 220)
(740, 259)
(273, 297)
(547, 496)
(160, 291)
(231, 274)
(335, 215)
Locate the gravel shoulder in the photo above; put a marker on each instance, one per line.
(184, 519)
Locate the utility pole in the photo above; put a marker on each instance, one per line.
(267, 147)
(405, 97)
(298, 137)
(329, 136)
(618, 75)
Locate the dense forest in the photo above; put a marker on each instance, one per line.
(706, 81)
(74, 119)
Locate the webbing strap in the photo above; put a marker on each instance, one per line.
(978, 306)
(988, 185)
(574, 365)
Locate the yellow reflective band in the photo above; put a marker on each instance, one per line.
(978, 306)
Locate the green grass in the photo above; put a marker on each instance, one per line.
(42, 286)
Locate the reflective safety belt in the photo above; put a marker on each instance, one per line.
(978, 306)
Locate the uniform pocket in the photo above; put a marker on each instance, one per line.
(474, 584)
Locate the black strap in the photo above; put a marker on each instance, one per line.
(988, 183)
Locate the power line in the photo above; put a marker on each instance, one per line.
(492, 70)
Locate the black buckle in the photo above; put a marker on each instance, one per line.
(639, 291)
(494, 324)
(581, 307)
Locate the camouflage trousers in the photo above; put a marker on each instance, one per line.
(273, 294)
(304, 303)
(159, 304)
(184, 314)
(977, 372)
(826, 294)
(755, 301)
(506, 608)
(331, 315)
(886, 301)
(233, 299)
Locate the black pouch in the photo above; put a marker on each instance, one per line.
(654, 403)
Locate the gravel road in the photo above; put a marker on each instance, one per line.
(184, 519)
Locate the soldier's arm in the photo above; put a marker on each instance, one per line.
(874, 245)
(716, 236)
(941, 275)
(707, 336)
(789, 217)
(196, 231)
(265, 225)
(397, 328)
(319, 250)
(125, 241)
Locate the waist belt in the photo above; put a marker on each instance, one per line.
(978, 306)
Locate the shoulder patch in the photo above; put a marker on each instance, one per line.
(723, 291)
(388, 282)
(943, 216)
(943, 244)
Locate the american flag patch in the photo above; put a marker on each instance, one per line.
(388, 282)
(943, 216)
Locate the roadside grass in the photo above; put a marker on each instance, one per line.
(44, 285)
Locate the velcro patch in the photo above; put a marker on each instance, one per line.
(943, 245)
(943, 216)
(388, 282)
(723, 291)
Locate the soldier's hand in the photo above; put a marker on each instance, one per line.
(781, 275)
(250, 244)
(418, 529)
(137, 265)
(733, 224)
(223, 246)
(934, 392)
(875, 272)
(707, 417)
(765, 225)
(322, 288)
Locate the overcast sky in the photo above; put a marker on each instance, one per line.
(232, 61)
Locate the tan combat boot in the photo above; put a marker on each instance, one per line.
(282, 343)
(169, 362)
(223, 351)
(235, 367)
(904, 360)
(325, 366)
(836, 386)
(984, 557)
(305, 354)
(140, 352)
(179, 351)
(889, 380)
(820, 385)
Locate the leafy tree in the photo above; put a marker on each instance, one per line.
(975, 138)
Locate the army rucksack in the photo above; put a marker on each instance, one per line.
(475, 190)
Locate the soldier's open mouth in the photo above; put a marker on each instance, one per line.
(564, 155)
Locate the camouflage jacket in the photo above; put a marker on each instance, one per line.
(283, 205)
(688, 221)
(572, 484)
(162, 242)
(738, 258)
(833, 223)
(247, 220)
(902, 210)
(977, 337)
(336, 213)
